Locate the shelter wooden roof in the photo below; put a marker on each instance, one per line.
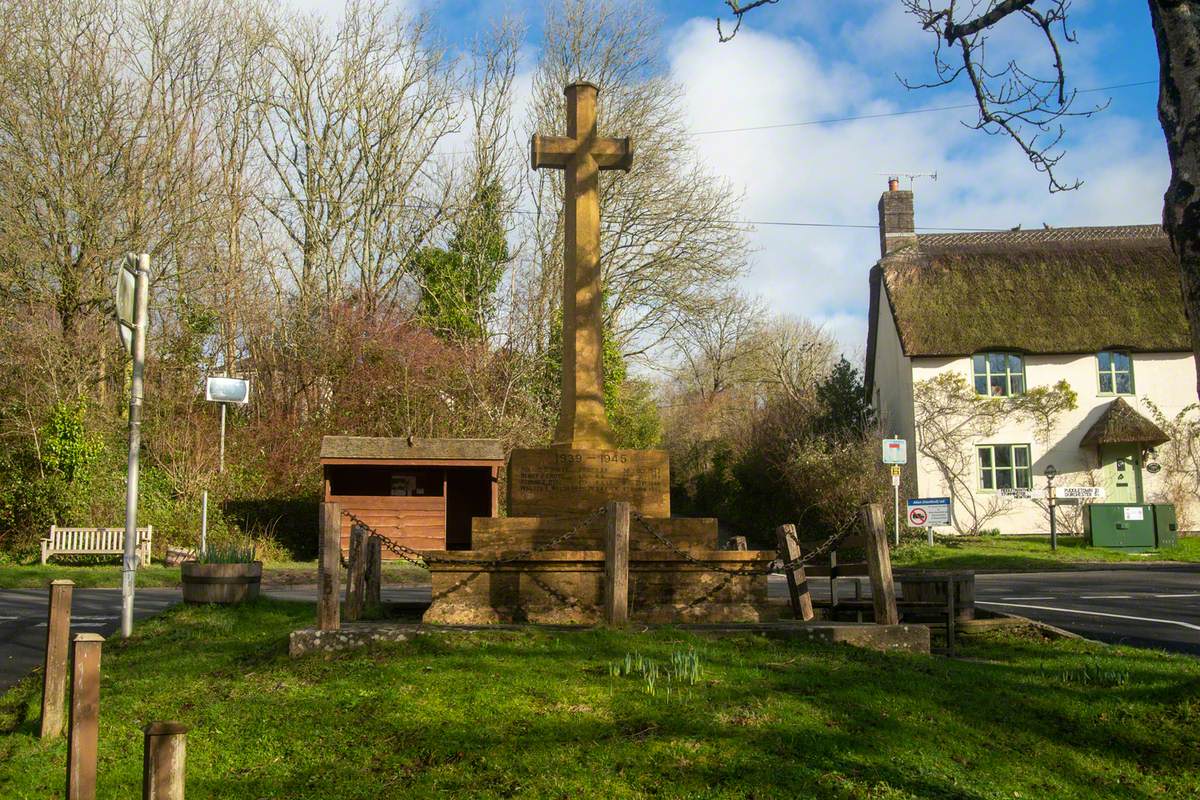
(1120, 423)
(349, 449)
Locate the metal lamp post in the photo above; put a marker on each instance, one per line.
(133, 304)
(1051, 473)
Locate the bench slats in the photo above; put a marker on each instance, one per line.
(94, 541)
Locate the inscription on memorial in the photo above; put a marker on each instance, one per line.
(556, 481)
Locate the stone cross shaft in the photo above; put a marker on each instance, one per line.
(581, 154)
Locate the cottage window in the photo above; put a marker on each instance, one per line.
(1116, 372)
(999, 374)
(1004, 466)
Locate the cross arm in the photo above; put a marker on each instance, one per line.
(555, 152)
(613, 153)
(552, 152)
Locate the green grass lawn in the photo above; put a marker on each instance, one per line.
(540, 714)
(32, 576)
(1026, 553)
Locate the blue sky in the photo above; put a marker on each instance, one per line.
(806, 60)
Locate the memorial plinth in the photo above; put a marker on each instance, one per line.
(567, 587)
(556, 480)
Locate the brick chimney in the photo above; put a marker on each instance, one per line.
(896, 225)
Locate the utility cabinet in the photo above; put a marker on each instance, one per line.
(1122, 526)
(1166, 531)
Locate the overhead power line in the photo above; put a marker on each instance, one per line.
(885, 114)
(426, 206)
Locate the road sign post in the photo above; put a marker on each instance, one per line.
(1051, 473)
(925, 512)
(895, 452)
(132, 314)
(226, 390)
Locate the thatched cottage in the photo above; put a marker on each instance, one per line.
(978, 341)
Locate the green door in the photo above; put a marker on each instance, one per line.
(1121, 472)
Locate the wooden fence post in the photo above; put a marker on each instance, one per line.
(789, 550)
(616, 563)
(58, 643)
(356, 573)
(84, 726)
(374, 601)
(879, 566)
(328, 612)
(164, 761)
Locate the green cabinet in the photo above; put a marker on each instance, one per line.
(1124, 526)
(1166, 531)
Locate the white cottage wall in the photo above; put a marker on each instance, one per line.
(893, 380)
(1168, 379)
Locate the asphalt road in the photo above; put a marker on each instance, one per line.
(1154, 607)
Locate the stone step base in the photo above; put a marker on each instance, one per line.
(898, 638)
(529, 533)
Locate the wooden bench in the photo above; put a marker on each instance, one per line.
(94, 542)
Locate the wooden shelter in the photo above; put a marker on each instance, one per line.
(420, 492)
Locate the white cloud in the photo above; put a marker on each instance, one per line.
(830, 173)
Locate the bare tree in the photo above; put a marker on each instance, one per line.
(354, 118)
(716, 346)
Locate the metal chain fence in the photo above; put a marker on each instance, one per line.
(776, 565)
(424, 559)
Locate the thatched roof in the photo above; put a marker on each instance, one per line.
(1056, 290)
(1120, 423)
(414, 449)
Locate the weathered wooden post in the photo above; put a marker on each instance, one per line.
(164, 761)
(84, 727)
(789, 551)
(374, 601)
(616, 563)
(328, 613)
(356, 573)
(879, 566)
(58, 643)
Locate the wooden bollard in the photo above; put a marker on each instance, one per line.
(616, 564)
(328, 611)
(879, 566)
(84, 728)
(58, 645)
(374, 601)
(164, 761)
(356, 574)
(797, 582)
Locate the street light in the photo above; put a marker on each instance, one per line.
(1051, 473)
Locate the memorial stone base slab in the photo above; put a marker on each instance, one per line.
(567, 587)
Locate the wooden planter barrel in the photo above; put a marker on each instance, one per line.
(220, 583)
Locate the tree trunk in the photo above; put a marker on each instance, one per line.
(1177, 31)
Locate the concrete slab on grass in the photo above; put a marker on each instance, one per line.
(903, 638)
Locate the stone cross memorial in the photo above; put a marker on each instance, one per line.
(582, 470)
(539, 573)
(581, 154)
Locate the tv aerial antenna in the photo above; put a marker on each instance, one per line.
(912, 176)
